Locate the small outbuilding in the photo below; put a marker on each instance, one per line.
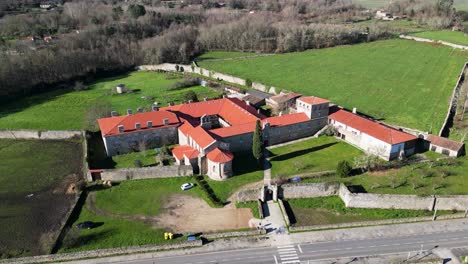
(445, 146)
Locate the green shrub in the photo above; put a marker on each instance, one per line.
(248, 83)
(138, 163)
(343, 168)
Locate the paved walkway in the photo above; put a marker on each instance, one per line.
(266, 168)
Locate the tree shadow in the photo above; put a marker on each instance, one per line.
(299, 153)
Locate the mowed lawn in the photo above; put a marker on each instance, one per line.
(312, 155)
(216, 55)
(63, 110)
(34, 178)
(143, 197)
(384, 79)
(455, 37)
(331, 210)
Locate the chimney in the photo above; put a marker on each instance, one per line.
(155, 108)
(190, 101)
(140, 109)
(247, 102)
(224, 96)
(354, 110)
(121, 129)
(205, 99)
(166, 121)
(258, 111)
(114, 113)
(170, 104)
(149, 124)
(137, 125)
(129, 111)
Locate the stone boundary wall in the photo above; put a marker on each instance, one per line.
(385, 201)
(453, 45)
(231, 234)
(308, 190)
(374, 223)
(146, 173)
(371, 200)
(284, 213)
(208, 73)
(454, 99)
(248, 195)
(39, 134)
(102, 253)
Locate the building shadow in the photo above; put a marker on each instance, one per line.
(299, 153)
(289, 212)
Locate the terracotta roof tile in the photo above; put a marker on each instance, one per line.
(281, 98)
(199, 135)
(445, 142)
(109, 125)
(220, 156)
(371, 128)
(313, 100)
(185, 151)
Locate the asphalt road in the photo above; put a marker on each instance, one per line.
(322, 251)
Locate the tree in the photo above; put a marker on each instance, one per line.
(344, 168)
(190, 96)
(136, 11)
(257, 145)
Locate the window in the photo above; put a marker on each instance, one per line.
(214, 168)
(434, 148)
(446, 152)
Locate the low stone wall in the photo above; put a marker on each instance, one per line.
(284, 212)
(146, 173)
(248, 195)
(102, 253)
(385, 201)
(372, 223)
(231, 234)
(452, 202)
(38, 134)
(453, 45)
(308, 190)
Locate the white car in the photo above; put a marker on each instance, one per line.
(187, 186)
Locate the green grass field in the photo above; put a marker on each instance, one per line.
(113, 233)
(384, 79)
(252, 206)
(223, 55)
(455, 37)
(246, 170)
(147, 158)
(143, 197)
(331, 210)
(313, 155)
(62, 110)
(441, 177)
(34, 176)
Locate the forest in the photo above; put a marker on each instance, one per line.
(43, 49)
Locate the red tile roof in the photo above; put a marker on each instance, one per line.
(199, 135)
(232, 110)
(185, 151)
(220, 156)
(371, 128)
(285, 120)
(445, 142)
(250, 127)
(313, 100)
(109, 125)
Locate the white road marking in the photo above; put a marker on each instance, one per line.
(289, 246)
(276, 260)
(300, 249)
(291, 258)
(289, 255)
(289, 262)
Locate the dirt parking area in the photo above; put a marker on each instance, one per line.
(184, 213)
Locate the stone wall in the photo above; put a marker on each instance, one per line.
(452, 202)
(284, 212)
(129, 142)
(373, 223)
(102, 253)
(38, 134)
(385, 201)
(146, 173)
(308, 190)
(231, 234)
(248, 195)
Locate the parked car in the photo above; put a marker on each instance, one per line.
(85, 225)
(187, 186)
